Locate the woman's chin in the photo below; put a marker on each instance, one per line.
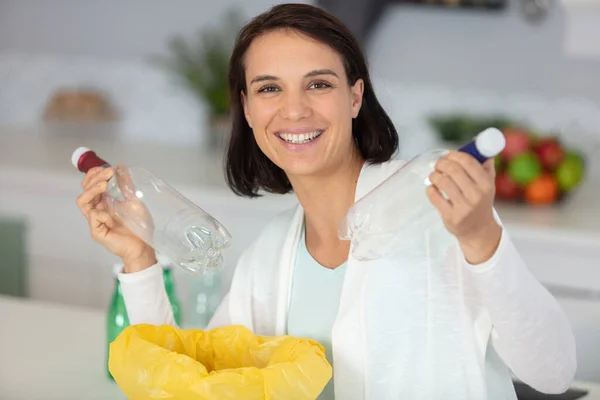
(302, 168)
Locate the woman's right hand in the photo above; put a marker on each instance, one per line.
(108, 231)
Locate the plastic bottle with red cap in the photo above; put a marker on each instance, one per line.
(161, 216)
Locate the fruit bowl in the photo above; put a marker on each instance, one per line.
(536, 170)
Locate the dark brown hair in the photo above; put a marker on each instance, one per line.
(248, 169)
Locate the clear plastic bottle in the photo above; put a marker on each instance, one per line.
(204, 297)
(399, 205)
(161, 216)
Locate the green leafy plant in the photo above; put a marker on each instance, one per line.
(459, 128)
(201, 64)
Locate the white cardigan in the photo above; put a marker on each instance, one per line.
(404, 329)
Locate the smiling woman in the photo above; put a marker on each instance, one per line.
(306, 119)
(317, 83)
(301, 117)
(302, 102)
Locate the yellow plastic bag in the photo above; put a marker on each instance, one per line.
(164, 362)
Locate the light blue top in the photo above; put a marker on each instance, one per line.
(315, 300)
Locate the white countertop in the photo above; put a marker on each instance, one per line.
(575, 221)
(51, 351)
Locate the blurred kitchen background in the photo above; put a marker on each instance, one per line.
(124, 78)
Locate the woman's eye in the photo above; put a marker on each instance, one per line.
(268, 89)
(320, 85)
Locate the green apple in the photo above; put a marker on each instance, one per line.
(570, 171)
(524, 168)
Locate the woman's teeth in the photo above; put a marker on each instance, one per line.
(301, 138)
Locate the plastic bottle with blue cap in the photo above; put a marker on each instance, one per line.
(398, 209)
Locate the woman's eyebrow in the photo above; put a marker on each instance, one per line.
(316, 72)
(262, 78)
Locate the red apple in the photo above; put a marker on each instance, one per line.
(517, 141)
(506, 187)
(549, 152)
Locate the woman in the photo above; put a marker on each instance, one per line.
(306, 119)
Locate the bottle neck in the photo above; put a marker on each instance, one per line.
(168, 277)
(117, 268)
(118, 290)
(90, 160)
(117, 297)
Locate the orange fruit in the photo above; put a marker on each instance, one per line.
(543, 190)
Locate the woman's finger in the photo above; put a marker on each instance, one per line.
(101, 205)
(125, 183)
(103, 175)
(92, 172)
(465, 183)
(439, 202)
(490, 167)
(88, 199)
(446, 184)
(100, 224)
(473, 168)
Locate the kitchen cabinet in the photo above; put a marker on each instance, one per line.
(13, 271)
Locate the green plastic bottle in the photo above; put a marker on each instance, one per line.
(117, 319)
(172, 293)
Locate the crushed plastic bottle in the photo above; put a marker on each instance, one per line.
(161, 216)
(398, 209)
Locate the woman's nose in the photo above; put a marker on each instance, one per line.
(295, 105)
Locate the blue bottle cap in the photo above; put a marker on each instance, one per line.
(487, 144)
(490, 142)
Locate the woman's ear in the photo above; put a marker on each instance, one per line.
(245, 106)
(357, 91)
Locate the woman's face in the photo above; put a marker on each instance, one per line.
(299, 103)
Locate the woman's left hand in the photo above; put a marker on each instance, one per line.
(467, 211)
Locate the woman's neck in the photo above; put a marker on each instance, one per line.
(326, 200)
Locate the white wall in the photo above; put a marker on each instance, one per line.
(487, 51)
(49, 44)
(108, 28)
(423, 60)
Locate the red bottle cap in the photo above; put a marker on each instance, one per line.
(85, 159)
